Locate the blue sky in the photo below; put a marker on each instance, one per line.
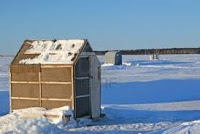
(108, 24)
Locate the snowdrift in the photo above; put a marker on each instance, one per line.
(40, 120)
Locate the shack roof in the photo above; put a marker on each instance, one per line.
(112, 53)
(49, 51)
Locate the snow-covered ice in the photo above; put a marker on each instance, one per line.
(140, 96)
(4, 86)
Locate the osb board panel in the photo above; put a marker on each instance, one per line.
(56, 65)
(55, 104)
(56, 74)
(61, 91)
(25, 90)
(19, 103)
(31, 77)
(20, 56)
(25, 72)
(24, 68)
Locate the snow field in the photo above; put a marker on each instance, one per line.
(140, 96)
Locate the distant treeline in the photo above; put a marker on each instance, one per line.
(155, 51)
(147, 51)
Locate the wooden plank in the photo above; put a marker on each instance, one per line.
(81, 96)
(90, 83)
(82, 78)
(24, 98)
(48, 82)
(56, 66)
(43, 82)
(40, 89)
(44, 99)
(10, 91)
(72, 76)
(27, 53)
(24, 82)
(55, 99)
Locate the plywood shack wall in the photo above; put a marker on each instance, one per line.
(55, 85)
(48, 86)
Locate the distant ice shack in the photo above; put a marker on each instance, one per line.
(55, 73)
(113, 57)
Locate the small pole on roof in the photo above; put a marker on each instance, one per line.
(54, 40)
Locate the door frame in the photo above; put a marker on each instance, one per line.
(86, 95)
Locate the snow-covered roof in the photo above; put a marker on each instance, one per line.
(53, 52)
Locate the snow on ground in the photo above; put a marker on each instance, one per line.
(4, 65)
(140, 96)
(39, 120)
(178, 67)
(4, 86)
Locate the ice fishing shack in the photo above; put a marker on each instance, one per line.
(154, 57)
(56, 73)
(113, 57)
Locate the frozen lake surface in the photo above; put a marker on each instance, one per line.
(140, 96)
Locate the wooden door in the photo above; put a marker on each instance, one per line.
(82, 88)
